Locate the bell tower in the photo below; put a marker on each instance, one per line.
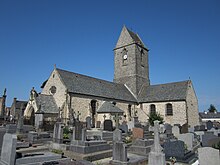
(131, 61)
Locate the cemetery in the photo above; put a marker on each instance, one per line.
(112, 143)
(81, 120)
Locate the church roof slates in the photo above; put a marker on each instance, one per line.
(176, 91)
(47, 103)
(108, 107)
(85, 85)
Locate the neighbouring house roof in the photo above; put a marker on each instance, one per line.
(176, 91)
(209, 115)
(46, 103)
(85, 85)
(108, 107)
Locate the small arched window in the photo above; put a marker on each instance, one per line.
(169, 109)
(152, 108)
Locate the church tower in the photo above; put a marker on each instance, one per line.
(131, 61)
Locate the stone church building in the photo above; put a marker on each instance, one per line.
(68, 94)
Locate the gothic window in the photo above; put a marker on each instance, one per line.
(169, 109)
(124, 56)
(152, 108)
(129, 111)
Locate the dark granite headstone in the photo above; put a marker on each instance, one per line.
(209, 125)
(98, 124)
(108, 125)
(88, 122)
(78, 130)
(174, 149)
(184, 128)
(124, 127)
(202, 128)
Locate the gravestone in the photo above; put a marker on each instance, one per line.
(119, 153)
(209, 125)
(88, 122)
(176, 131)
(202, 127)
(117, 135)
(8, 152)
(98, 124)
(168, 130)
(124, 127)
(184, 128)
(77, 131)
(20, 119)
(188, 139)
(156, 156)
(177, 149)
(208, 156)
(108, 126)
(137, 133)
(58, 133)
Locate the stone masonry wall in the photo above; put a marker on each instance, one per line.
(192, 106)
(178, 117)
(54, 80)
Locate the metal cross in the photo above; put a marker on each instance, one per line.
(104, 116)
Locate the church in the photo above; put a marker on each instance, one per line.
(68, 94)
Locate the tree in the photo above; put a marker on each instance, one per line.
(154, 116)
(212, 109)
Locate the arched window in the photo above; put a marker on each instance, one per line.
(152, 108)
(169, 109)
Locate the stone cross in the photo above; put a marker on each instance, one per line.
(104, 116)
(117, 118)
(157, 147)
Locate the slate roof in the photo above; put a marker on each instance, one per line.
(108, 107)
(135, 37)
(176, 91)
(81, 84)
(209, 115)
(47, 103)
(18, 104)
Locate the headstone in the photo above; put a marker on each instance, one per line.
(177, 149)
(117, 118)
(137, 133)
(58, 133)
(88, 122)
(108, 125)
(156, 156)
(77, 131)
(191, 129)
(208, 156)
(168, 130)
(202, 128)
(11, 128)
(124, 127)
(188, 139)
(117, 135)
(119, 152)
(184, 128)
(98, 124)
(8, 152)
(20, 120)
(209, 125)
(176, 131)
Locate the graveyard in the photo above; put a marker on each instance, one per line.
(115, 142)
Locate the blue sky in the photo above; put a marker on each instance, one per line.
(183, 37)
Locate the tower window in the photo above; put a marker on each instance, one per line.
(152, 108)
(169, 109)
(124, 56)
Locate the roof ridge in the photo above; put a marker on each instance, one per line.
(171, 83)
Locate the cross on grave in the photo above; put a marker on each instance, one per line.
(117, 118)
(104, 116)
(78, 114)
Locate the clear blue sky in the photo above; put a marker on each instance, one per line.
(183, 37)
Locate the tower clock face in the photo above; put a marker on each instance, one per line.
(125, 57)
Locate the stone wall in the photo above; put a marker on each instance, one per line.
(192, 106)
(59, 95)
(179, 112)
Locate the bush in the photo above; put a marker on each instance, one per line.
(154, 116)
